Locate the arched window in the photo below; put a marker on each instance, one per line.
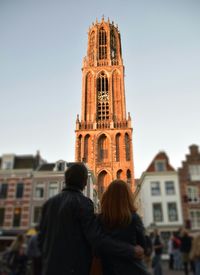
(79, 147)
(86, 147)
(102, 97)
(117, 142)
(91, 48)
(102, 44)
(127, 146)
(117, 98)
(102, 182)
(113, 45)
(103, 148)
(119, 174)
(88, 97)
(128, 176)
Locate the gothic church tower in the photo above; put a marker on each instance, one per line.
(104, 133)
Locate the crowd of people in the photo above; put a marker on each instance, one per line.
(72, 239)
(184, 252)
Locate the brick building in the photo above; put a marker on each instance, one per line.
(104, 133)
(189, 178)
(16, 176)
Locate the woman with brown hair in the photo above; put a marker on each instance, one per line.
(119, 219)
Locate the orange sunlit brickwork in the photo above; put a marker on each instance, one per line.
(104, 132)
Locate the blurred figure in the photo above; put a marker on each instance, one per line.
(148, 251)
(176, 244)
(119, 220)
(34, 254)
(158, 248)
(16, 257)
(195, 254)
(185, 248)
(171, 253)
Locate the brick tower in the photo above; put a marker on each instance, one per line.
(104, 133)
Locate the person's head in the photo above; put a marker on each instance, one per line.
(76, 176)
(156, 232)
(117, 204)
(184, 232)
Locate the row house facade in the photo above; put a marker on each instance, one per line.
(16, 178)
(160, 197)
(189, 179)
(26, 182)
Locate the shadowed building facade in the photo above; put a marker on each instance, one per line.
(104, 132)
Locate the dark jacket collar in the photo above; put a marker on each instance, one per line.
(72, 188)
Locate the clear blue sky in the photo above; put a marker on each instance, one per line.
(42, 44)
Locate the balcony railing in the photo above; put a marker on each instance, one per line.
(103, 124)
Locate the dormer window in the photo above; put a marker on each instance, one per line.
(160, 166)
(60, 166)
(7, 162)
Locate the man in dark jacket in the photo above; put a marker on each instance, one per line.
(69, 231)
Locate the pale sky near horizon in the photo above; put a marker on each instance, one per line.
(42, 45)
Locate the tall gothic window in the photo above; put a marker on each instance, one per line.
(103, 148)
(113, 45)
(91, 48)
(86, 143)
(79, 147)
(117, 142)
(88, 97)
(117, 98)
(102, 44)
(127, 146)
(102, 97)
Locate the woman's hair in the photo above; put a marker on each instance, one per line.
(117, 205)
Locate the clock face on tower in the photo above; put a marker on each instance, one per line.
(103, 96)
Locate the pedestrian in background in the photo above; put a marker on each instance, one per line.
(171, 253)
(158, 249)
(185, 248)
(195, 254)
(16, 257)
(34, 254)
(148, 251)
(176, 244)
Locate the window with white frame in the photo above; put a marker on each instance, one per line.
(160, 165)
(155, 188)
(194, 171)
(157, 212)
(169, 188)
(53, 189)
(195, 219)
(39, 190)
(172, 212)
(193, 196)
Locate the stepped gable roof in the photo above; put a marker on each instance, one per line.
(163, 157)
(47, 167)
